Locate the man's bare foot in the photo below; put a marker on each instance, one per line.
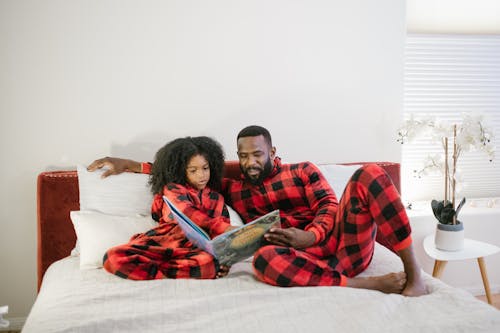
(415, 288)
(392, 283)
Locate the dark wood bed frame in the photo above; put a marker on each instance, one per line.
(58, 194)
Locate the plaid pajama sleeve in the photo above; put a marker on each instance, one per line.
(207, 211)
(321, 200)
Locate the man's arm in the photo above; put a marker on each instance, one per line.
(323, 204)
(118, 165)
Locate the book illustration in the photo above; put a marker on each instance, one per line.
(232, 246)
(241, 243)
(248, 235)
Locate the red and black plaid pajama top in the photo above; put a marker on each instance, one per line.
(164, 252)
(345, 231)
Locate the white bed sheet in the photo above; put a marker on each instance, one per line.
(74, 300)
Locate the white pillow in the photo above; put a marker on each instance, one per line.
(97, 232)
(124, 194)
(338, 175)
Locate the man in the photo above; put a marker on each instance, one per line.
(322, 241)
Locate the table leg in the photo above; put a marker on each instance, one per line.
(482, 268)
(438, 268)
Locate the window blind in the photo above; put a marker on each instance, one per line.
(445, 76)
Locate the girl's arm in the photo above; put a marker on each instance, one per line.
(207, 211)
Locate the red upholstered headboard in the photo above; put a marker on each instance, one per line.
(57, 195)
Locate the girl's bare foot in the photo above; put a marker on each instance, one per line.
(223, 271)
(392, 283)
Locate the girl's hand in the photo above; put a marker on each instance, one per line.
(231, 227)
(223, 271)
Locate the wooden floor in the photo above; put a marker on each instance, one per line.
(495, 299)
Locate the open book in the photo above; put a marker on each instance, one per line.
(232, 246)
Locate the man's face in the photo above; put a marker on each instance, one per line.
(256, 158)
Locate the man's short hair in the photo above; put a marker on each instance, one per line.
(255, 130)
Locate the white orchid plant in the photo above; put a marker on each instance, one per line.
(468, 135)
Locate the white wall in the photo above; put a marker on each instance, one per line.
(83, 79)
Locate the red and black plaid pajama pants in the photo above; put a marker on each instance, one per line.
(370, 204)
(163, 252)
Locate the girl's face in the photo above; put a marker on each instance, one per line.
(198, 172)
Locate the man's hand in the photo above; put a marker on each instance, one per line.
(115, 166)
(292, 237)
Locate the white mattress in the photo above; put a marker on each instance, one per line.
(74, 300)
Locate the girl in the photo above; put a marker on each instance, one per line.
(189, 172)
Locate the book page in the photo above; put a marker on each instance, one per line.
(241, 243)
(232, 246)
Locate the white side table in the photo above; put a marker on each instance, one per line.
(472, 250)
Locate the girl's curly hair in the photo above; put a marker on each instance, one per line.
(172, 159)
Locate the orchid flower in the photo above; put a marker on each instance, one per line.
(468, 135)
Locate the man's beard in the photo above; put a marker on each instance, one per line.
(268, 168)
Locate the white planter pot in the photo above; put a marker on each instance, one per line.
(449, 237)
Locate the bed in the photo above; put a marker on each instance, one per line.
(72, 299)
